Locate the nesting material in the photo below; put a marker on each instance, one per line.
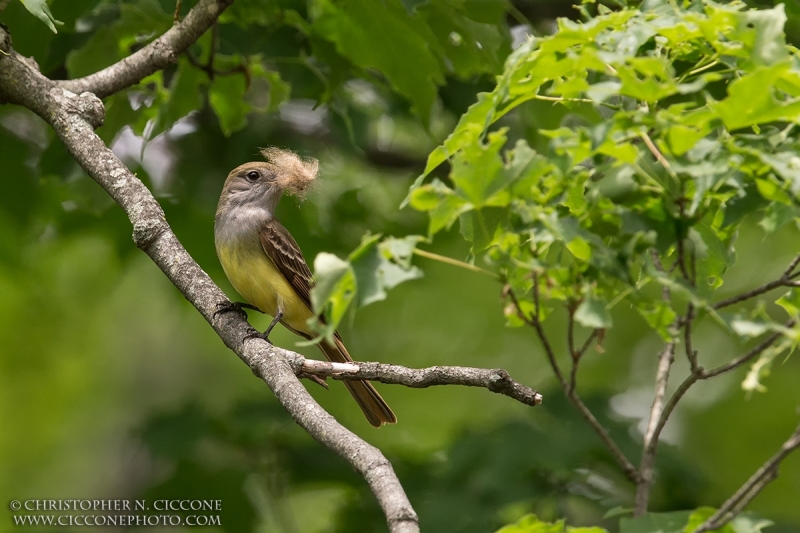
(295, 174)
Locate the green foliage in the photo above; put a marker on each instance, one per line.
(677, 123)
(41, 10)
(369, 271)
(549, 172)
(531, 524)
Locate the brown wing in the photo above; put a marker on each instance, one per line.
(281, 248)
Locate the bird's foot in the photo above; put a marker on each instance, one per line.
(239, 307)
(258, 335)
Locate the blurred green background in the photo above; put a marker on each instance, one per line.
(112, 386)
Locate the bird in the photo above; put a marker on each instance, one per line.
(265, 265)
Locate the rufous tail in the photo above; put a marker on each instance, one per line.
(375, 408)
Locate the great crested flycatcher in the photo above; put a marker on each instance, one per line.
(265, 265)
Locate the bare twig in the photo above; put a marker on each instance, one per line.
(177, 15)
(742, 359)
(691, 353)
(665, 292)
(153, 57)
(602, 432)
(212, 72)
(784, 281)
(665, 360)
(760, 479)
(699, 373)
(496, 380)
(74, 117)
(454, 262)
(576, 354)
(656, 152)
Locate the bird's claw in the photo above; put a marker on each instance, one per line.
(239, 307)
(258, 335)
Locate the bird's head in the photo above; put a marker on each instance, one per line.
(261, 183)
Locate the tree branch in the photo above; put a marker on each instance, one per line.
(153, 57)
(74, 118)
(496, 380)
(535, 323)
(665, 360)
(760, 479)
(699, 373)
(786, 280)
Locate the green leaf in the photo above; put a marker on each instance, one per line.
(470, 47)
(469, 129)
(41, 10)
(751, 99)
(335, 288)
(101, 51)
(660, 316)
(227, 100)
(381, 266)
(279, 90)
(702, 514)
(790, 303)
(674, 522)
(138, 22)
(592, 313)
(401, 250)
(479, 174)
(382, 36)
(447, 212)
(531, 524)
(366, 261)
(185, 96)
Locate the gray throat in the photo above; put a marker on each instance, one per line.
(236, 226)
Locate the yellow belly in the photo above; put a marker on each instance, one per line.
(260, 283)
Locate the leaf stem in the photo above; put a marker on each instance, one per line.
(454, 262)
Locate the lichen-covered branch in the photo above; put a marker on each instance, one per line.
(74, 117)
(153, 57)
(496, 380)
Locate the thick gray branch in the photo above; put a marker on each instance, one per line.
(74, 118)
(153, 57)
(496, 380)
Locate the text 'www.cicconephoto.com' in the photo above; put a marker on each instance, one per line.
(115, 513)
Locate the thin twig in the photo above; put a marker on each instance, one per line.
(534, 322)
(454, 262)
(784, 281)
(588, 342)
(176, 17)
(665, 292)
(241, 68)
(691, 353)
(656, 152)
(742, 359)
(760, 479)
(496, 380)
(573, 354)
(701, 374)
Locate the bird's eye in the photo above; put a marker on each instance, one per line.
(252, 175)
